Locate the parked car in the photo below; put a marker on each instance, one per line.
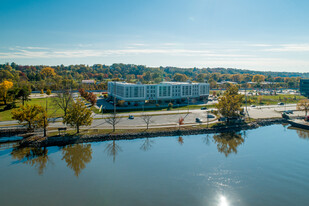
(203, 108)
(289, 112)
(285, 116)
(210, 116)
(131, 117)
(253, 105)
(198, 120)
(280, 103)
(222, 119)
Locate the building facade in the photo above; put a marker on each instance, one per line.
(174, 92)
(304, 87)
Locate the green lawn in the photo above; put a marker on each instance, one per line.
(269, 100)
(51, 108)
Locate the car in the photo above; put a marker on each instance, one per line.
(222, 119)
(198, 120)
(203, 108)
(210, 116)
(131, 117)
(210, 100)
(280, 103)
(253, 105)
(289, 112)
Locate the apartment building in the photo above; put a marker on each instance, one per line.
(164, 92)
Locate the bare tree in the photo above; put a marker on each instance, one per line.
(147, 144)
(147, 119)
(113, 120)
(63, 100)
(113, 149)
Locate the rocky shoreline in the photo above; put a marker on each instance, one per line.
(65, 140)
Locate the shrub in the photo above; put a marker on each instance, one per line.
(170, 106)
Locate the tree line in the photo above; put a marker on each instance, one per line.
(41, 77)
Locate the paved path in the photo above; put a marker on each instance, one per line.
(170, 118)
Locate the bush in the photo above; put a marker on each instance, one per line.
(48, 92)
(120, 103)
(157, 105)
(170, 106)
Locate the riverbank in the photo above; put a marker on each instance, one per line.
(73, 139)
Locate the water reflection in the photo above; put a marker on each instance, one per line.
(147, 144)
(112, 149)
(228, 142)
(77, 156)
(180, 140)
(36, 157)
(302, 133)
(223, 201)
(207, 139)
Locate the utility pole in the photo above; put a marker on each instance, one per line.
(207, 117)
(188, 104)
(246, 99)
(114, 97)
(45, 119)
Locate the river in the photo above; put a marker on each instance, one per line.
(264, 166)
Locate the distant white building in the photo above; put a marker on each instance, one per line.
(165, 91)
(88, 81)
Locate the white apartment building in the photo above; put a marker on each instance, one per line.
(164, 92)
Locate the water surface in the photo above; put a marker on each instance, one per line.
(265, 166)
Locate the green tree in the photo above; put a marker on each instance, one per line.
(34, 115)
(48, 92)
(229, 105)
(180, 77)
(63, 100)
(23, 93)
(78, 115)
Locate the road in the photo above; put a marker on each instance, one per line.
(170, 118)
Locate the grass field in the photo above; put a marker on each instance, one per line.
(269, 100)
(51, 108)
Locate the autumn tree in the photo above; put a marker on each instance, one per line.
(34, 115)
(303, 105)
(180, 77)
(180, 122)
(78, 115)
(258, 78)
(4, 87)
(48, 72)
(92, 98)
(229, 105)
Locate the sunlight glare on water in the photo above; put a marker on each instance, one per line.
(223, 201)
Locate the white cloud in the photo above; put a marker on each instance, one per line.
(82, 53)
(290, 48)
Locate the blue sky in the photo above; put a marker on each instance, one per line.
(246, 34)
